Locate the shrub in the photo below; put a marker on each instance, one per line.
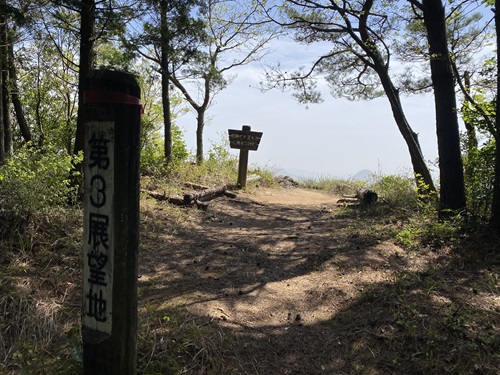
(479, 165)
(153, 154)
(398, 191)
(37, 180)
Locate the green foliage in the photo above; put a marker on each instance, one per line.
(152, 140)
(152, 156)
(422, 226)
(267, 175)
(221, 162)
(219, 155)
(152, 152)
(479, 164)
(398, 191)
(47, 84)
(36, 181)
(221, 167)
(421, 231)
(112, 57)
(479, 157)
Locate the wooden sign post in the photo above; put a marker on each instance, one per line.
(244, 140)
(111, 223)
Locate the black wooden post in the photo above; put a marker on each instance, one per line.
(243, 162)
(111, 223)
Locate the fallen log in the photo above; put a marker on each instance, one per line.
(164, 197)
(363, 197)
(206, 194)
(367, 197)
(197, 198)
(192, 185)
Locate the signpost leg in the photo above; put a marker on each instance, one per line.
(111, 223)
(243, 162)
(243, 169)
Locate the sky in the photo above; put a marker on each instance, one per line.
(336, 138)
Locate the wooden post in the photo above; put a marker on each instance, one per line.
(111, 223)
(243, 162)
(244, 140)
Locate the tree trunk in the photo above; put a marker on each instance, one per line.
(87, 25)
(422, 174)
(495, 208)
(7, 122)
(471, 138)
(2, 83)
(200, 124)
(470, 129)
(452, 192)
(18, 107)
(165, 84)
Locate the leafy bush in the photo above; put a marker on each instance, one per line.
(219, 157)
(266, 174)
(36, 181)
(398, 191)
(479, 165)
(420, 232)
(220, 163)
(153, 155)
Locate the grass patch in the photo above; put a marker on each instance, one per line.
(172, 341)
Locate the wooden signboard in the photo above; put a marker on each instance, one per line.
(244, 139)
(98, 245)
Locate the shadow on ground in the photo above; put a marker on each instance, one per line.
(296, 290)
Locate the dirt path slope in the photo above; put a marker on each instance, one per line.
(266, 264)
(303, 289)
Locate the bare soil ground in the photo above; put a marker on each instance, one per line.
(287, 282)
(275, 281)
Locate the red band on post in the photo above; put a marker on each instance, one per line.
(110, 97)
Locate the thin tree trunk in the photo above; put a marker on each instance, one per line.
(7, 122)
(200, 118)
(471, 131)
(167, 119)
(200, 124)
(87, 26)
(422, 174)
(471, 140)
(495, 208)
(18, 107)
(420, 169)
(2, 83)
(452, 192)
(165, 84)
(38, 105)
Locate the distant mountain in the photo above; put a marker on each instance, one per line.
(300, 174)
(363, 175)
(296, 174)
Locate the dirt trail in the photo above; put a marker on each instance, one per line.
(275, 266)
